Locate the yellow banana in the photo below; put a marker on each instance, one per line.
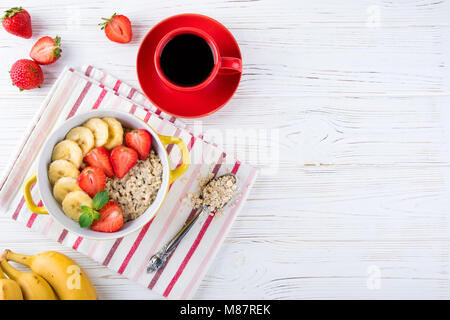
(9, 289)
(66, 277)
(33, 286)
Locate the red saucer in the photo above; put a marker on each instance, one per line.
(187, 104)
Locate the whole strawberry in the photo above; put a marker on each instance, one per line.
(17, 21)
(26, 74)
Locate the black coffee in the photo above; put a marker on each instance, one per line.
(187, 60)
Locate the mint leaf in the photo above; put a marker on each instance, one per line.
(86, 208)
(88, 216)
(96, 215)
(85, 220)
(100, 199)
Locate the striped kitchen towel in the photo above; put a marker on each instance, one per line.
(75, 92)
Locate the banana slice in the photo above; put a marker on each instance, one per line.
(62, 168)
(83, 137)
(115, 133)
(64, 186)
(100, 130)
(72, 203)
(68, 150)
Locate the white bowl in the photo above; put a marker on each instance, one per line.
(46, 190)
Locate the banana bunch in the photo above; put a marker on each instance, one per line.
(67, 159)
(33, 286)
(53, 276)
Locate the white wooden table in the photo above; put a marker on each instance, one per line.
(357, 93)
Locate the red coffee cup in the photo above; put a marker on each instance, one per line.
(222, 65)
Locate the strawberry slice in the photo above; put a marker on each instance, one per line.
(141, 141)
(99, 157)
(122, 160)
(92, 180)
(111, 218)
(46, 50)
(117, 28)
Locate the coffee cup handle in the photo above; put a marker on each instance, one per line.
(230, 65)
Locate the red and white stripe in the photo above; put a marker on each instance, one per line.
(163, 232)
(191, 215)
(194, 246)
(219, 238)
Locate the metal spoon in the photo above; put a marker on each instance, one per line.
(158, 260)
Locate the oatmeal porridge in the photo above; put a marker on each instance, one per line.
(137, 190)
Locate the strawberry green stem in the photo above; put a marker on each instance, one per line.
(11, 12)
(57, 49)
(104, 24)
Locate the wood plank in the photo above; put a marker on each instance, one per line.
(328, 270)
(343, 131)
(315, 62)
(265, 14)
(348, 203)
